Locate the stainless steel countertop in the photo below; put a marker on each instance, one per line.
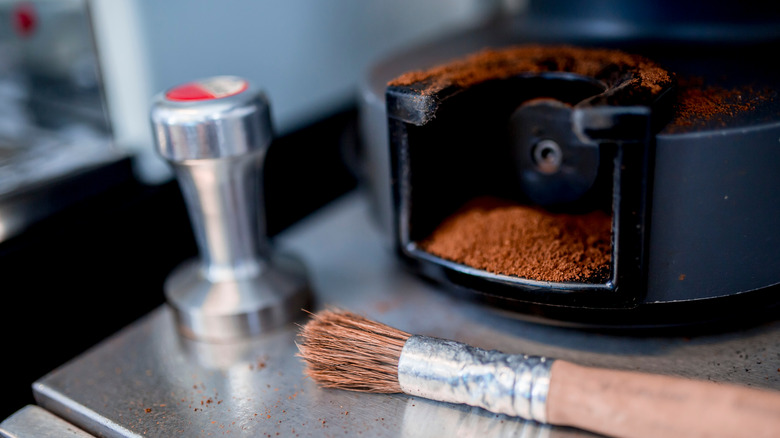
(148, 381)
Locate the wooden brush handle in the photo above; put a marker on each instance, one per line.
(631, 404)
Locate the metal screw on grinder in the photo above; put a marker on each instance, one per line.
(548, 156)
(215, 133)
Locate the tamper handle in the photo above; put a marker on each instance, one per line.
(632, 404)
(223, 200)
(216, 145)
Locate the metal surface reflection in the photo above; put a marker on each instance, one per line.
(425, 418)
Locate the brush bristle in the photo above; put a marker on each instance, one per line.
(347, 351)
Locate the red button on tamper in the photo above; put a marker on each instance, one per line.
(207, 89)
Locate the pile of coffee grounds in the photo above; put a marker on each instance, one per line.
(698, 104)
(610, 66)
(510, 239)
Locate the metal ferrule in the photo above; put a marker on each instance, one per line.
(452, 372)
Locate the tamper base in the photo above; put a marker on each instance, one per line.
(226, 310)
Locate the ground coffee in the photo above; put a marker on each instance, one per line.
(523, 241)
(613, 67)
(700, 104)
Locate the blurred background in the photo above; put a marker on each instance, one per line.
(91, 221)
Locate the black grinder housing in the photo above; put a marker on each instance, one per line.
(569, 129)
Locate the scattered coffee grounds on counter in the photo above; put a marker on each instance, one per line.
(613, 67)
(523, 241)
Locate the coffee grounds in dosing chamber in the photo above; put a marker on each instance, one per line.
(525, 241)
(556, 173)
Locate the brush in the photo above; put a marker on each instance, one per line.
(344, 350)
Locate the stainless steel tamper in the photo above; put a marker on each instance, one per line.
(215, 133)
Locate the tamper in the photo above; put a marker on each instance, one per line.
(215, 133)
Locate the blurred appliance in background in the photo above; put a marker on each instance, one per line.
(55, 135)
